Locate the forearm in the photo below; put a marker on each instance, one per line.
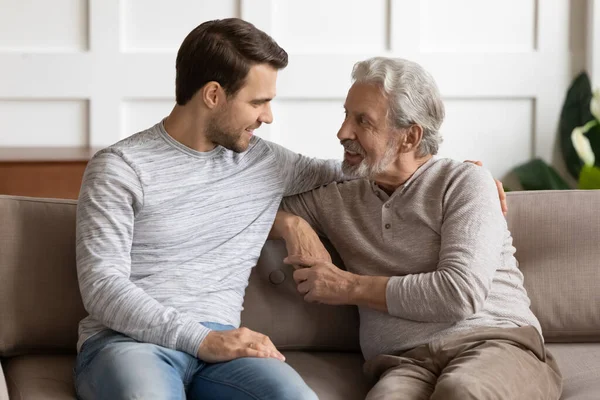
(124, 307)
(282, 226)
(445, 295)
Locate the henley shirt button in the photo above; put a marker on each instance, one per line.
(387, 205)
(387, 226)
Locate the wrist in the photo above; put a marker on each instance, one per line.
(356, 290)
(369, 291)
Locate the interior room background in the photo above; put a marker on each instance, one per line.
(79, 73)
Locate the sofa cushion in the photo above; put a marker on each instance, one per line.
(331, 375)
(580, 367)
(40, 377)
(273, 306)
(557, 237)
(40, 304)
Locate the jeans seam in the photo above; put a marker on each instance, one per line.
(188, 375)
(230, 385)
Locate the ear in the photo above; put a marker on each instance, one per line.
(212, 94)
(411, 139)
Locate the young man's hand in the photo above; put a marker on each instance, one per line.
(501, 193)
(220, 346)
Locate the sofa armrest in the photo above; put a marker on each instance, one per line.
(3, 388)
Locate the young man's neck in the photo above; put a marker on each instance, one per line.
(188, 128)
(399, 172)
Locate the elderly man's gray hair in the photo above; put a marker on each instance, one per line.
(412, 93)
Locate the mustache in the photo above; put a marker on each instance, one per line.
(353, 146)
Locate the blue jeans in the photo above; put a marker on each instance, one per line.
(114, 366)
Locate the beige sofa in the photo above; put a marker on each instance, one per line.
(557, 236)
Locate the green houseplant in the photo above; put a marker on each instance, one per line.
(579, 132)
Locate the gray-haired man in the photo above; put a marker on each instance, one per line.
(429, 258)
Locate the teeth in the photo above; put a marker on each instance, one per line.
(351, 153)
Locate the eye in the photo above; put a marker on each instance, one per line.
(362, 120)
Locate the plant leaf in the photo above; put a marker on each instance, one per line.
(589, 177)
(537, 175)
(575, 112)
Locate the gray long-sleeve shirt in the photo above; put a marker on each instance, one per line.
(167, 236)
(442, 239)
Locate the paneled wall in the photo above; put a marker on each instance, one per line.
(90, 72)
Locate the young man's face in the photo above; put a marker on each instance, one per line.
(370, 143)
(234, 124)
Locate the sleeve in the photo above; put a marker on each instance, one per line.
(305, 205)
(111, 194)
(472, 236)
(301, 174)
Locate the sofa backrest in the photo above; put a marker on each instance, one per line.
(40, 303)
(557, 237)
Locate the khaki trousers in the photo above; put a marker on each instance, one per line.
(485, 363)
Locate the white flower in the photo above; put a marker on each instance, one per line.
(582, 146)
(595, 104)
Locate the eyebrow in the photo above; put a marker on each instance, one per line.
(368, 116)
(261, 100)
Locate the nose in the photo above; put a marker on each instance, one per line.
(346, 131)
(266, 116)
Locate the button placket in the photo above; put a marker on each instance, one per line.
(386, 219)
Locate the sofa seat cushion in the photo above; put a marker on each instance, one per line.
(580, 367)
(38, 377)
(48, 377)
(331, 375)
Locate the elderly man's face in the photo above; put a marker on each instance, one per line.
(370, 143)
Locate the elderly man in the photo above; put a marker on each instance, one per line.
(429, 258)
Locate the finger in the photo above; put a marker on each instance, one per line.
(474, 162)
(299, 260)
(300, 275)
(502, 196)
(269, 343)
(269, 349)
(248, 352)
(304, 287)
(311, 297)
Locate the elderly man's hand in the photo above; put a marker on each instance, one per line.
(501, 192)
(322, 281)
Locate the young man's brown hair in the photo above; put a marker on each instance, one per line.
(223, 51)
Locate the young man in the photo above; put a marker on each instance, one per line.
(430, 262)
(170, 222)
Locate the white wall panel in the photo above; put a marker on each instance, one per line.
(43, 26)
(159, 25)
(42, 122)
(310, 127)
(140, 114)
(478, 25)
(332, 26)
(498, 132)
(489, 57)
